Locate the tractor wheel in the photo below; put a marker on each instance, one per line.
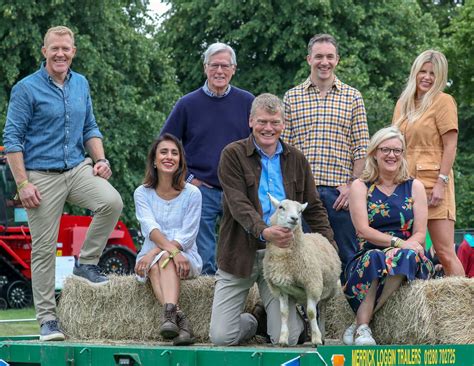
(117, 261)
(19, 294)
(3, 304)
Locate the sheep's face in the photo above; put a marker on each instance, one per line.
(287, 213)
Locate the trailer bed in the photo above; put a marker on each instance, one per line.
(29, 351)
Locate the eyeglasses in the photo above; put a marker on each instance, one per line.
(224, 67)
(387, 151)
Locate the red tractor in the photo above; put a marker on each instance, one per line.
(15, 245)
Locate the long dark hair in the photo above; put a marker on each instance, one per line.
(151, 175)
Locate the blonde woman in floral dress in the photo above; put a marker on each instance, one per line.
(389, 211)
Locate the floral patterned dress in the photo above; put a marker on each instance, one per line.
(392, 215)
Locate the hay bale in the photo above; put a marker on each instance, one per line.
(423, 312)
(339, 316)
(438, 311)
(127, 310)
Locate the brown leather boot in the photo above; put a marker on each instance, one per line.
(169, 326)
(185, 336)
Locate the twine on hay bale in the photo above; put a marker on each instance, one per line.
(127, 310)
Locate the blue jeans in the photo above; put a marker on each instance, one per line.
(341, 223)
(206, 240)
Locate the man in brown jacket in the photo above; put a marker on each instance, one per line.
(249, 169)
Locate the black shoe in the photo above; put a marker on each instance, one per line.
(90, 273)
(261, 315)
(50, 331)
(305, 335)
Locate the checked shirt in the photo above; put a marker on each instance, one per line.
(332, 131)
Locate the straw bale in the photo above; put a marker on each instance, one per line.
(438, 311)
(339, 316)
(127, 310)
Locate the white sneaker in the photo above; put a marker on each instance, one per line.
(348, 336)
(363, 336)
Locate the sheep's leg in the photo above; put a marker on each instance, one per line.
(284, 310)
(322, 319)
(312, 313)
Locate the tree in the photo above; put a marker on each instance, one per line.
(378, 42)
(132, 80)
(459, 45)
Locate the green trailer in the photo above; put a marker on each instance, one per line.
(28, 351)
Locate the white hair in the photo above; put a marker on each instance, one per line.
(217, 48)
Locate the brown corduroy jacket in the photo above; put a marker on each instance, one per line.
(239, 174)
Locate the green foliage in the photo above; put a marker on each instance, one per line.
(378, 41)
(132, 80)
(464, 183)
(459, 45)
(131, 65)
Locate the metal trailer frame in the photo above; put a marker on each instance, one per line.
(28, 351)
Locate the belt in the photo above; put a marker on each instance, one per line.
(58, 171)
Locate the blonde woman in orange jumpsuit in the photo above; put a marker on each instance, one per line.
(428, 119)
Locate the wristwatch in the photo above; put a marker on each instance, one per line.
(444, 178)
(103, 161)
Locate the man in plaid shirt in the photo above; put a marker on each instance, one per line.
(326, 120)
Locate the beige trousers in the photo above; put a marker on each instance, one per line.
(230, 326)
(80, 187)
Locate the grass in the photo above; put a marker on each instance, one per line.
(17, 329)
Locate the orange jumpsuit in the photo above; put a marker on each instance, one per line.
(425, 149)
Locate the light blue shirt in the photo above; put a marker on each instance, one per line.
(271, 181)
(50, 125)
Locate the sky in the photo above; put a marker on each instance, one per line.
(157, 7)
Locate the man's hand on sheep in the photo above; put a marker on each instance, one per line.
(342, 201)
(278, 235)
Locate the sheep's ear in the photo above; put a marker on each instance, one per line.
(273, 200)
(303, 206)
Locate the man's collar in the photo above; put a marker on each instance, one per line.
(48, 77)
(278, 150)
(210, 93)
(251, 147)
(308, 84)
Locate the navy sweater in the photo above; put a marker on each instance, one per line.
(206, 125)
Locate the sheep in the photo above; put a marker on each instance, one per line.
(308, 270)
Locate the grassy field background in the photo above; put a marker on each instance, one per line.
(16, 329)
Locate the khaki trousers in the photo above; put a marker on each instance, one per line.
(80, 187)
(230, 326)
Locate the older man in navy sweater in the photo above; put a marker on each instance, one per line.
(206, 120)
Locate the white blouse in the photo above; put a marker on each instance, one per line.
(177, 219)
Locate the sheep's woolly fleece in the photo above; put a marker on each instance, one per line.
(424, 312)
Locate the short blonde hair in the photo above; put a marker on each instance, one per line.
(371, 170)
(59, 30)
(269, 103)
(409, 110)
